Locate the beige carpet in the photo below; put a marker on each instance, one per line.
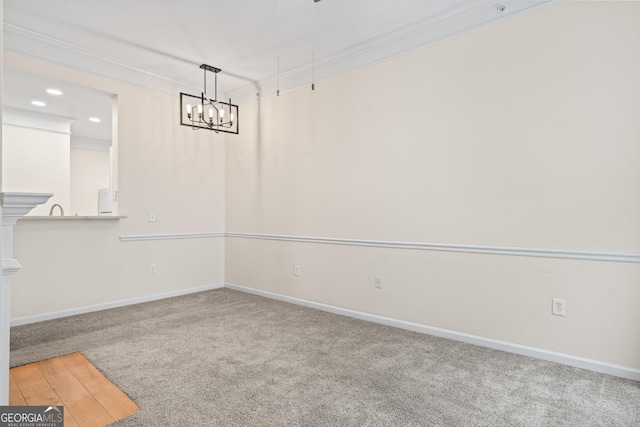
(225, 358)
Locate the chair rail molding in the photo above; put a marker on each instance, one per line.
(173, 236)
(452, 247)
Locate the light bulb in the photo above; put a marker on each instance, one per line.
(200, 109)
(211, 113)
(221, 113)
(189, 109)
(231, 117)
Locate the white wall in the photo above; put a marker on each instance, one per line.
(37, 161)
(522, 134)
(162, 167)
(89, 173)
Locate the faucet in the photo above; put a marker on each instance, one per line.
(53, 207)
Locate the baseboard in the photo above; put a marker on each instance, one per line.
(565, 359)
(121, 303)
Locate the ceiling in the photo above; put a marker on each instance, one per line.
(161, 43)
(76, 104)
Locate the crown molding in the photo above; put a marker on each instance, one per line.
(50, 49)
(36, 120)
(453, 21)
(449, 23)
(90, 144)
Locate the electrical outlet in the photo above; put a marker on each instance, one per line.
(558, 307)
(378, 282)
(152, 269)
(296, 270)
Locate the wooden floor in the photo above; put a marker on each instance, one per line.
(88, 397)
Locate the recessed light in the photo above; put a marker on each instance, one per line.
(94, 119)
(54, 92)
(38, 103)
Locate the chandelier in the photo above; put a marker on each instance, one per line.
(201, 112)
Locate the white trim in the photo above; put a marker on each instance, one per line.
(537, 353)
(15, 205)
(115, 304)
(10, 266)
(90, 144)
(70, 218)
(169, 236)
(425, 246)
(36, 120)
(450, 247)
(38, 45)
(452, 21)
